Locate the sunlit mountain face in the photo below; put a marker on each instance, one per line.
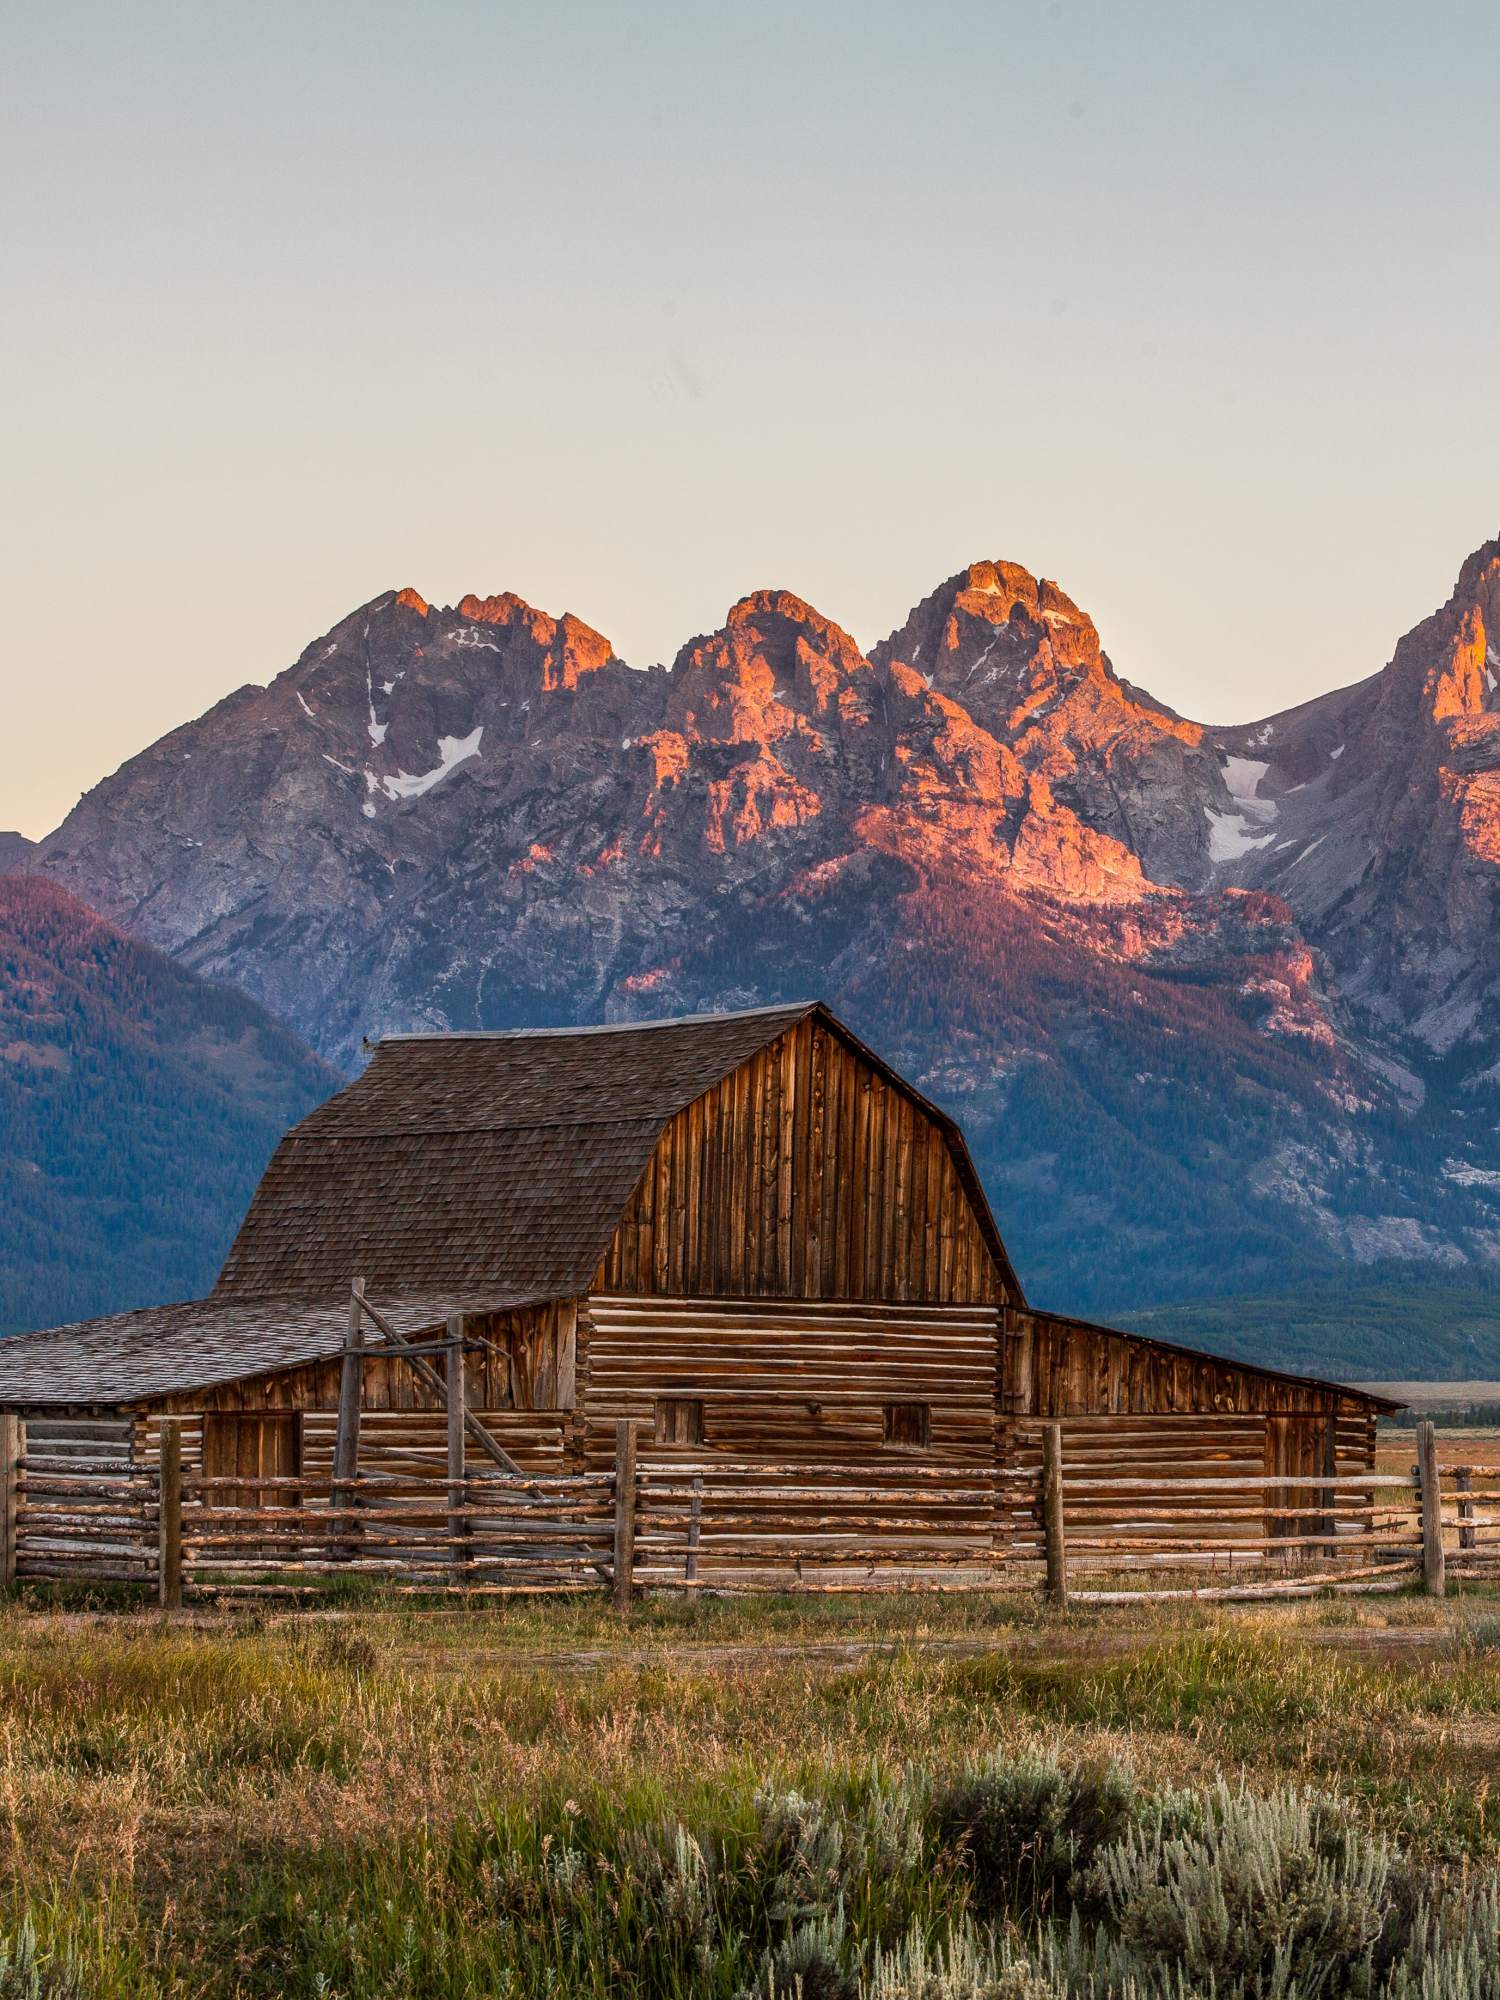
(1219, 1004)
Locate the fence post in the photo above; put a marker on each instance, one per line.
(458, 1526)
(625, 1434)
(695, 1529)
(169, 1517)
(1330, 1492)
(1463, 1479)
(1052, 1514)
(343, 1535)
(1434, 1566)
(12, 1443)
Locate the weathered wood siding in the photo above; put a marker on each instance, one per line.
(1138, 1488)
(408, 1446)
(804, 1174)
(85, 1505)
(529, 1364)
(522, 1386)
(798, 1379)
(1055, 1367)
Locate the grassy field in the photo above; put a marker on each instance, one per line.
(903, 1799)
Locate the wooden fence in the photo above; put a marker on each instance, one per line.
(75, 1505)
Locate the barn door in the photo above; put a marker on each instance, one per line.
(265, 1445)
(1294, 1450)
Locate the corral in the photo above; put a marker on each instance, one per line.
(734, 1263)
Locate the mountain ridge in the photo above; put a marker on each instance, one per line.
(1100, 931)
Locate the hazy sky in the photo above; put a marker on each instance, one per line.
(635, 307)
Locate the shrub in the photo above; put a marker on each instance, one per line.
(966, 1967)
(1025, 1829)
(807, 1965)
(1282, 1894)
(25, 1976)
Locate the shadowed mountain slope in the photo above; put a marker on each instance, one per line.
(139, 1105)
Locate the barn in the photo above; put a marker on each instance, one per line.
(744, 1230)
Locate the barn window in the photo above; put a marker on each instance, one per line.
(908, 1423)
(679, 1420)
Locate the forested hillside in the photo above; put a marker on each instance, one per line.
(139, 1105)
(1392, 1324)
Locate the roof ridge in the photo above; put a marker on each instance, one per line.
(429, 1125)
(798, 1007)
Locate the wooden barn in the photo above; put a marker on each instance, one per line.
(744, 1230)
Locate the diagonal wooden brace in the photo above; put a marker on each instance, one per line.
(431, 1379)
(397, 1343)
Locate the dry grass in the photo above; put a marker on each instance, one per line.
(241, 1806)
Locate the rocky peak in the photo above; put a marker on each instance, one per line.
(995, 633)
(1026, 663)
(565, 649)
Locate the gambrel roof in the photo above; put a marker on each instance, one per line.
(487, 1169)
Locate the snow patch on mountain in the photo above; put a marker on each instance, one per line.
(1236, 833)
(452, 751)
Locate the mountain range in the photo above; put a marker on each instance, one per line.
(1216, 1004)
(139, 1105)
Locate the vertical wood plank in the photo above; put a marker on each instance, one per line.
(1052, 1514)
(817, 1283)
(859, 1189)
(351, 1384)
(169, 1515)
(625, 1483)
(1463, 1479)
(457, 1388)
(768, 1131)
(843, 1272)
(802, 1277)
(695, 1529)
(1434, 1562)
(833, 1074)
(711, 1275)
(786, 1107)
(567, 1354)
(12, 1444)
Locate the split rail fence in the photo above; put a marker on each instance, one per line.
(77, 1505)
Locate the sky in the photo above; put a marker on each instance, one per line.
(633, 309)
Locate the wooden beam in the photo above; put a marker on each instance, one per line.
(351, 1380)
(1052, 1514)
(458, 1525)
(695, 1528)
(169, 1519)
(12, 1444)
(431, 1379)
(625, 1473)
(1434, 1563)
(1463, 1479)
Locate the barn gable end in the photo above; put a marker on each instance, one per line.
(810, 1170)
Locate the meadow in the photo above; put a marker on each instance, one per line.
(894, 1799)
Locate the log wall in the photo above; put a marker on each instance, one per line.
(86, 1508)
(403, 1448)
(1154, 1491)
(805, 1174)
(1057, 1367)
(530, 1363)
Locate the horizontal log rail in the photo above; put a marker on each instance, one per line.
(699, 1521)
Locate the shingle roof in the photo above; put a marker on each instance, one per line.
(165, 1350)
(460, 1172)
(481, 1159)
